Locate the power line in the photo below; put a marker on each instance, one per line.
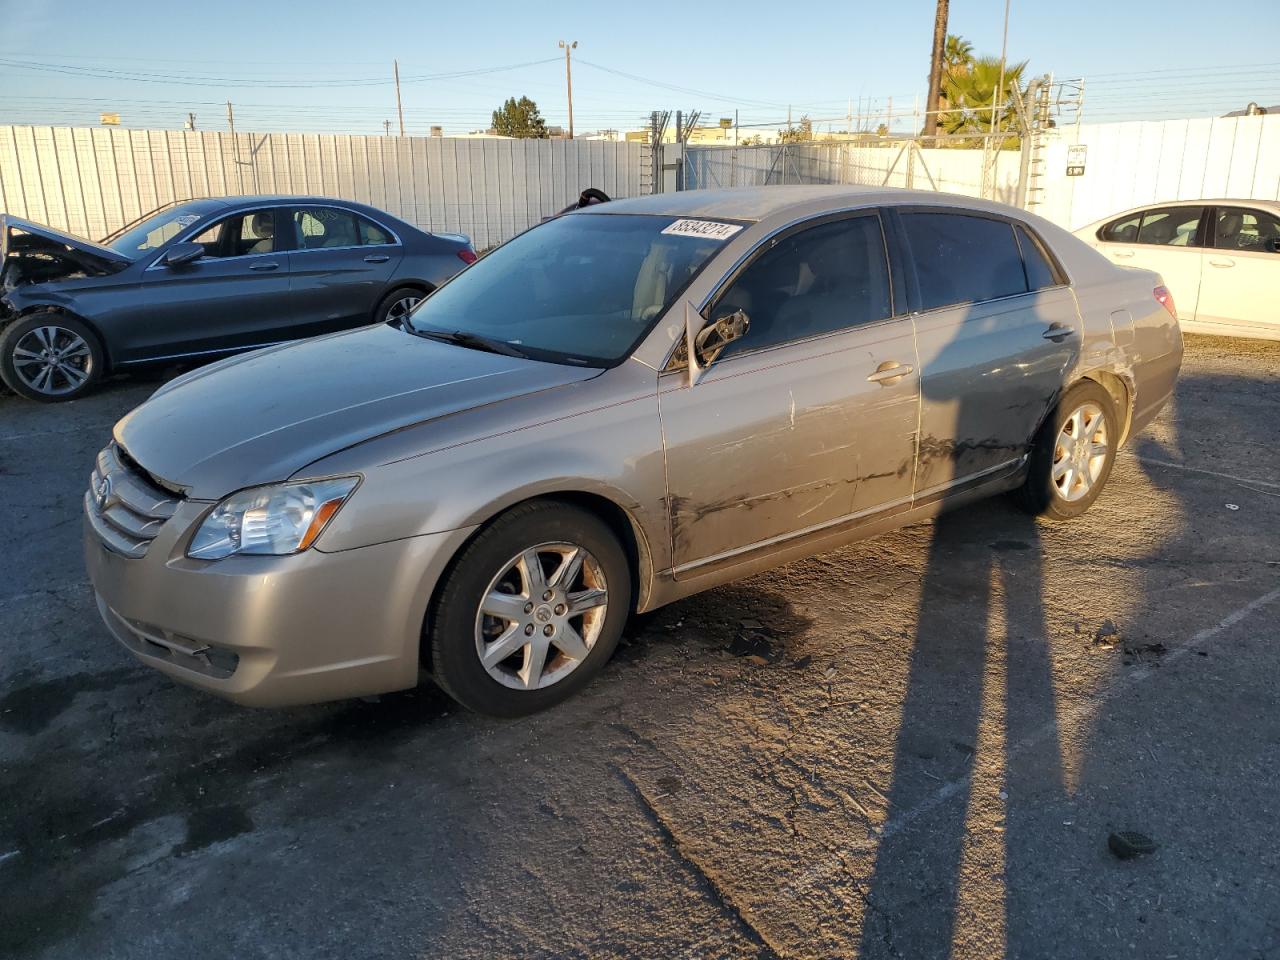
(130, 76)
(679, 89)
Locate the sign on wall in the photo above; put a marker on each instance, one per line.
(1075, 160)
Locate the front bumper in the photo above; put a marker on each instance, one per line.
(271, 631)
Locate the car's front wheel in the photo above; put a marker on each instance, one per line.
(1072, 455)
(530, 611)
(50, 357)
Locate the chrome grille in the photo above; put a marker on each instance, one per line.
(125, 508)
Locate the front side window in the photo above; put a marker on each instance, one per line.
(156, 230)
(819, 280)
(582, 288)
(241, 235)
(963, 259)
(321, 227)
(1237, 228)
(1171, 227)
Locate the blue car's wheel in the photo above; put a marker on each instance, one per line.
(50, 357)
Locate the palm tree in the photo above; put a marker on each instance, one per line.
(971, 94)
(957, 55)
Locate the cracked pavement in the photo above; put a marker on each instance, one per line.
(911, 747)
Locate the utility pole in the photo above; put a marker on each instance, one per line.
(568, 79)
(1004, 50)
(395, 65)
(235, 146)
(935, 69)
(191, 121)
(386, 128)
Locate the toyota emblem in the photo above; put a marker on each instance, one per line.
(102, 493)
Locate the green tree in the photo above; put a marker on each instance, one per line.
(957, 55)
(797, 133)
(519, 118)
(971, 94)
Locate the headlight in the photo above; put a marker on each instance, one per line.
(275, 520)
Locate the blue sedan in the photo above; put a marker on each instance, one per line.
(201, 279)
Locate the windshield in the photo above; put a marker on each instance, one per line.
(156, 230)
(583, 288)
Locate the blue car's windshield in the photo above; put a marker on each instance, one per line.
(582, 288)
(157, 229)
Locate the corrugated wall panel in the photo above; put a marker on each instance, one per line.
(94, 180)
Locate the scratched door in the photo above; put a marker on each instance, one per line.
(808, 419)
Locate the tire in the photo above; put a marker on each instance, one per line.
(396, 305)
(50, 357)
(491, 566)
(1062, 481)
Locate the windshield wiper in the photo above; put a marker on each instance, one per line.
(475, 342)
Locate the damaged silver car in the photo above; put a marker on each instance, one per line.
(621, 407)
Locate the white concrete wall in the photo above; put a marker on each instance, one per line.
(1134, 164)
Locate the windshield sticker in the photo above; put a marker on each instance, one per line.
(186, 220)
(707, 229)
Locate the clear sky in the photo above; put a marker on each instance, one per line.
(326, 66)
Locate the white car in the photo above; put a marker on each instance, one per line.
(1219, 258)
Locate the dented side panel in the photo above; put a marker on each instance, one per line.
(989, 376)
(770, 444)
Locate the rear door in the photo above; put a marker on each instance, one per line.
(1241, 275)
(235, 296)
(996, 332)
(341, 267)
(806, 420)
(1169, 240)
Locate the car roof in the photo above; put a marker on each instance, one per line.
(764, 203)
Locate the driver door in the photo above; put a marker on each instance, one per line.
(810, 417)
(235, 296)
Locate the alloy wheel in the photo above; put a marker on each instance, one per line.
(52, 360)
(1080, 452)
(399, 310)
(541, 615)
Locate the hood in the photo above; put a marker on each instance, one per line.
(107, 257)
(261, 417)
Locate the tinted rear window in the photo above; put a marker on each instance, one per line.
(963, 259)
(1040, 273)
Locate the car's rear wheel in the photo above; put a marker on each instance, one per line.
(50, 357)
(397, 305)
(1072, 455)
(530, 611)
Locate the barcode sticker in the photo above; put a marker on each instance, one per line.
(707, 229)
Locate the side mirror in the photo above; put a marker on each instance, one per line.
(715, 336)
(706, 341)
(181, 253)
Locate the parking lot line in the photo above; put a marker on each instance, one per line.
(1074, 715)
(1211, 473)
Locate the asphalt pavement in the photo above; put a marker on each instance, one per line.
(913, 747)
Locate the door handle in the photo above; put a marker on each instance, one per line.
(1123, 253)
(260, 267)
(1057, 332)
(1222, 263)
(889, 372)
(376, 258)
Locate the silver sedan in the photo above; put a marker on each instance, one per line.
(621, 407)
